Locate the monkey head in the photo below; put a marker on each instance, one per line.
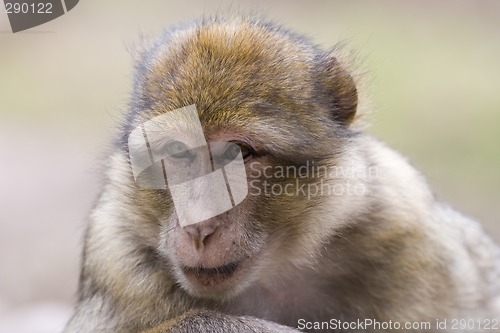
(267, 96)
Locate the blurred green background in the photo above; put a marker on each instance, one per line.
(432, 79)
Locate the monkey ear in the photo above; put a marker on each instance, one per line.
(341, 91)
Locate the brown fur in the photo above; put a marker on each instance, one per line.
(390, 253)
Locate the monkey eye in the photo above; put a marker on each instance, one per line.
(234, 149)
(177, 149)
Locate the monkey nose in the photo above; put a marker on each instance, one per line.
(201, 231)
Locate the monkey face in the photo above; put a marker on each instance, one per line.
(280, 106)
(223, 254)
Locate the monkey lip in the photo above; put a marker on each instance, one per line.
(208, 277)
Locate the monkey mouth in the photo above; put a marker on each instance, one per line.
(208, 277)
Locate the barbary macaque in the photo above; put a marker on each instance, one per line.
(242, 195)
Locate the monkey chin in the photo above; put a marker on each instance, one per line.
(221, 282)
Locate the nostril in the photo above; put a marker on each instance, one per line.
(200, 232)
